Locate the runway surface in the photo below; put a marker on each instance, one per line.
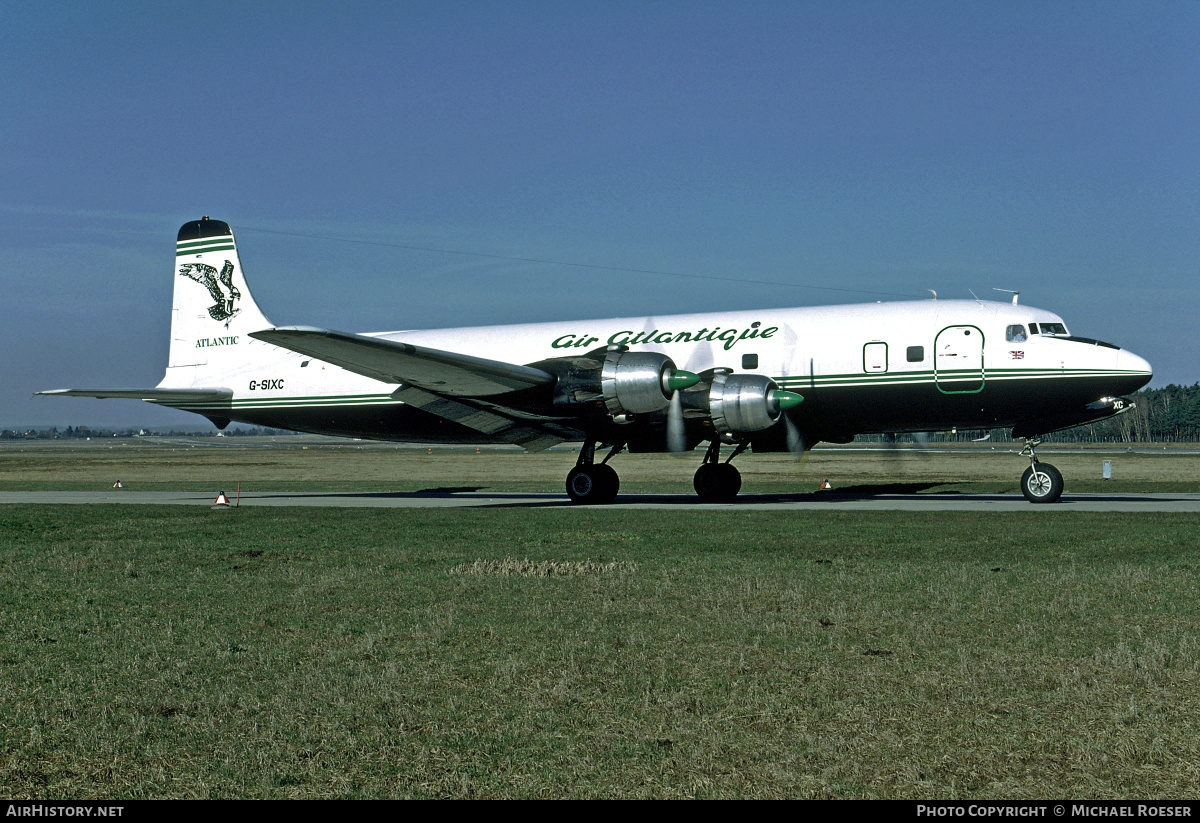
(451, 498)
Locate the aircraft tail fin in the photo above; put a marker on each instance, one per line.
(212, 311)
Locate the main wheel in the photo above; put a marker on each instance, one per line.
(593, 484)
(1042, 483)
(717, 482)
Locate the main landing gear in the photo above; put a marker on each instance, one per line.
(1041, 482)
(592, 483)
(717, 482)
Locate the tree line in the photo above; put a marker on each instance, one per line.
(1167, 415)
(86, 433)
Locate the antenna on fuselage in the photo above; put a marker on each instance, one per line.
(931, 291)
(976, 296)
(1015, 294)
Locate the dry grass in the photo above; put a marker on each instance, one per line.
(508, 566)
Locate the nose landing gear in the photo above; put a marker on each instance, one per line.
(1041, 482)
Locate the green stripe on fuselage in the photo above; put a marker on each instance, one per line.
(799, 382)
(917, 377)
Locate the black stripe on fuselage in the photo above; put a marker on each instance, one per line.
(925, 407)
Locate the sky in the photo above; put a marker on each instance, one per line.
(382, 163)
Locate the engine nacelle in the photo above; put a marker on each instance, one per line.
(636, 382)
(740, 403)
(622, 383)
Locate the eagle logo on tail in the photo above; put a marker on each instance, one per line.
(213, 280)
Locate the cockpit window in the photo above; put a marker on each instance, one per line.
(1053, 328)
(1015, 334)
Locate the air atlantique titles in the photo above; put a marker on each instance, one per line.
(728, 337)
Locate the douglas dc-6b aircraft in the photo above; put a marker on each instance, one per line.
(770, 380)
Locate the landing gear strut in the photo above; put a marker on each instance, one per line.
(590, 482)
(715, 481)
(1041, 482)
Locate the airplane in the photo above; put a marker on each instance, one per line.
(770, 380)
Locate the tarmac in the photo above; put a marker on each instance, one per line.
(461, 498)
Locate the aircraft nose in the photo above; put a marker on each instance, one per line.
(1137, 368)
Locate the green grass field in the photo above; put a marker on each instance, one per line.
(279, 653)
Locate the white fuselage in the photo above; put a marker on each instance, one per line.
(936, 353)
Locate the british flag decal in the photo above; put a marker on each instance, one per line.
(1017, 355)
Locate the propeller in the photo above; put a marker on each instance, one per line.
(700, 359)
(892, 444)
(797, 444)
(795, 439)
(676, 382)
(676, 428)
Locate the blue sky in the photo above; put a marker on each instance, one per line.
(875, 148)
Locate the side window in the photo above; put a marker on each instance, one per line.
(749, 361)
(916, 354)
(1033, 328)
(1015, 334)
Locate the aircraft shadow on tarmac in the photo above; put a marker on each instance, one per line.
(849, 494)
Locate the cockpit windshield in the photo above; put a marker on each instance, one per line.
(1048, 328)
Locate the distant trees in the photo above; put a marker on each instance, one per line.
(86, 433)
(1167, 415)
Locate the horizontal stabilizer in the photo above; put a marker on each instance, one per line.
(166, 397)
(441, 372)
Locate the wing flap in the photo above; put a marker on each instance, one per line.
(503, 429)
(442, 372)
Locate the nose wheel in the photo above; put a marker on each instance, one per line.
(1041, 482)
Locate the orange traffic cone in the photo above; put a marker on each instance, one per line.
(222, 502)
(824, 485)
(118, 485)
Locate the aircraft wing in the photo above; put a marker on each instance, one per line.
(442, 383)
(441, 372)
(167, 397)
